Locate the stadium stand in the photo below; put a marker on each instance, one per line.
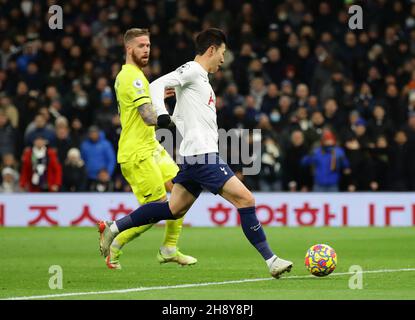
(293, 69)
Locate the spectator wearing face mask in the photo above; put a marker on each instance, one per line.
(280, 116)
(77, 103)
(329, 162)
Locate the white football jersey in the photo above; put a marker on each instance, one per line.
(195, 110)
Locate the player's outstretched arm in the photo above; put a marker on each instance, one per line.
(157, 90)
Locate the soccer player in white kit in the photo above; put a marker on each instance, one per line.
(195, 118)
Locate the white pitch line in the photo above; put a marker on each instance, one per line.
(192, 285)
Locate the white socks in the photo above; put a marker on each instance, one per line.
(271, 260)
(167, 251)
(114, 228)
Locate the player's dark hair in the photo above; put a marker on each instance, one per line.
(209, 37)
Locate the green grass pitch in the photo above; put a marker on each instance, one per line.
(224, 255)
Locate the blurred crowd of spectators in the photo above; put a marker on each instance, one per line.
(336, 106)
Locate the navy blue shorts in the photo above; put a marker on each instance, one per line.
(207, 171)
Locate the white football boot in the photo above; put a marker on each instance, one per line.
(279, 266)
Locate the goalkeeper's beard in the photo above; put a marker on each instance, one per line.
(139, 62)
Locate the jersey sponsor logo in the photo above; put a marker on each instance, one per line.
(223, 170)
(138, 83)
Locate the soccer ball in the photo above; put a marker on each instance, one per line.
(321, 260)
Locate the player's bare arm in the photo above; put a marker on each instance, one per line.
(148, 113)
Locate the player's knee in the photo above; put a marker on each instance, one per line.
(247, 200)
(176, 211)
(178, 214)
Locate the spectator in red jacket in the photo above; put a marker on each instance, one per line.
(41, 170)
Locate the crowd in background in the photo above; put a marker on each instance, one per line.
(336, 107)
